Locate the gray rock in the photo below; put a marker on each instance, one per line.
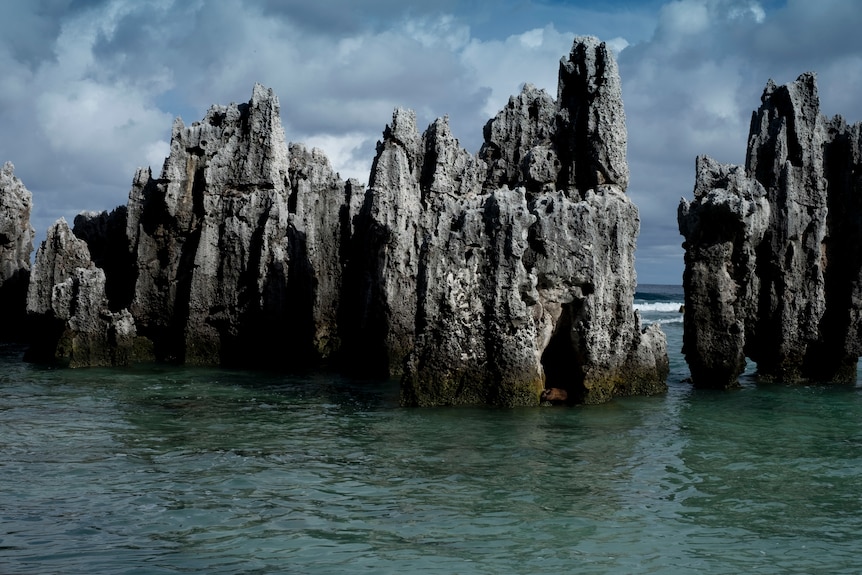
(239, 243)
(519, 143)
(56, 261)
(577, 142)
(478, 279)
(68, 304)
(476, 339)
(592, 137)
(231, 256)
(321, 210)
(594, 346)
(105, 236)
(772, 269)
(16, 245)
(521, 260)
(210, 236)
(723, 227)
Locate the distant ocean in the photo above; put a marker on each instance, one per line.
(169, 470)
(662, 304)
(659, 303)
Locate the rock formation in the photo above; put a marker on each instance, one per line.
(230, 256)
(477, 279)
(501, 274)
(772, 261)
(16, 245)
(68, 303)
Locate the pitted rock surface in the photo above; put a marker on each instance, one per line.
(773, 270)
(476, 279)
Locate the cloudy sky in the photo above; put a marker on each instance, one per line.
(89, 88)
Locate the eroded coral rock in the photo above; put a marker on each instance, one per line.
(772, 265)
(478, 279)
(16, 245)
(70, 310)
(523, 268)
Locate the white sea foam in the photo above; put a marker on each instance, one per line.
(659, 306)
(662, 321)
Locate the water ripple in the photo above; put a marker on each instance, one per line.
(167, 470)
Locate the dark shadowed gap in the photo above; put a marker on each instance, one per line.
(561, 358)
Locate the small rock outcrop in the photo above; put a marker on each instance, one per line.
(475, 278)
(16, 245)
(772, 266)
(72, 319)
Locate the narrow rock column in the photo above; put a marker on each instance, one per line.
(381, 288)
(723, 228)
(16, 245)
(770, 271)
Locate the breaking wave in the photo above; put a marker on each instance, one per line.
(659, 306)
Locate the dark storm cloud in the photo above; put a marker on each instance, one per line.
(325, 84)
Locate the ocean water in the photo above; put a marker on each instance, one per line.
(162, 469)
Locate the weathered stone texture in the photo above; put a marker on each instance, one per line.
(73, 322)
(770, 271)
(210, 235)
(524, 266)
(478, 279)
(16, 245)
(592, 135)
(231, 256)
(723, 227)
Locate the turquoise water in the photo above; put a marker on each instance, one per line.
(178, 470)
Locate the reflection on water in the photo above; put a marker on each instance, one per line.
(177, 470)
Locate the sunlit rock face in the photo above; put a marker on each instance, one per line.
(16, 245)
(772, 259)
(513, 270)
(475, 278)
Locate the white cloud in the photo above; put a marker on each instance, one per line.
(503, 66)
(98, 126)
(532, 39)
(684, 17)
(347, 153)
(441, 32)
(840, 87)
(753, 10)
(90, 118)
(155, 154)
(617, 44)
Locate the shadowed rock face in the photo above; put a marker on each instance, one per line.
(478, 279)
(231, 256)
(16, 245)
(72, 319)
(210, 235)
(772, 259)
